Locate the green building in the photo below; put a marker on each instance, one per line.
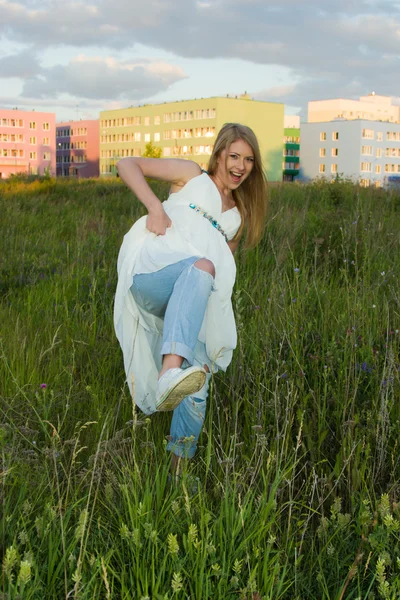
(291, 148)
(187, 129)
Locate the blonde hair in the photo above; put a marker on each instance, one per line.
(251, 196)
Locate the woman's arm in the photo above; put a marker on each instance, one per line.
(176, 171)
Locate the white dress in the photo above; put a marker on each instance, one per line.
(191, 234)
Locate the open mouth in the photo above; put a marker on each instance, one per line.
(236, 176)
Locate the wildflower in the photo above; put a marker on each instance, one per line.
(382, 272)
(192, 534)
(294, 299)
(374, 306)
(284, 375)
(237, 566)
(176, 582)
(24, 574)
(173, 546)
(10, 562)
(43, 386)
(296, 270)
(256, 308)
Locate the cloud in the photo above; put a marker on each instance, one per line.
(22, 65)
(103, 78)
(337, 48)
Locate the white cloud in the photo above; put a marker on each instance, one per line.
(103, 78)
(337, 48)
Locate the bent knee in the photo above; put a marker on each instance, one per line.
(205, 265)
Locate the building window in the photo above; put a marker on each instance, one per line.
(322, 136)
(137, 136)
(366, 150)
(366, 167)
(322, 168)
(46, 155)
(335, 135)
(335, 152)
(32, 125)
(379, 152)
(167, 117)
(368, 134)
(147, 120)
(378, 169)
(365, 182)
(322, 152)
(147, 137)
(32, 140)
(46, 126)
(167, 151)
(157, 137)
(379, 136)
(46, 141)
(378, 183)
(157, 120)
(334, 168)
(32, 155)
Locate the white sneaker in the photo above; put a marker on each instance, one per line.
(176, 384)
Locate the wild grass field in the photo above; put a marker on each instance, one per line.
(294, 491)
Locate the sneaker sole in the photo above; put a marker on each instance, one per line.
(186, 386)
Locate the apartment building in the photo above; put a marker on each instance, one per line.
(372, 107)
(78, 148)
(365, 151)
(291, 147)
(188, 128)
(27, 142)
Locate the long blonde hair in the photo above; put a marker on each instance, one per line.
(251, 196)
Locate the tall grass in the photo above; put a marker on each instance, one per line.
(294, 490)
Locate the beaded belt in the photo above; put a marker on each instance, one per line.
(213, 222)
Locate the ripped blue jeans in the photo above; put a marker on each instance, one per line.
(180, 293)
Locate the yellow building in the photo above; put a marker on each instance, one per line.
(187, 129)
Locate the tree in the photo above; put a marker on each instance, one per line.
(152, 151)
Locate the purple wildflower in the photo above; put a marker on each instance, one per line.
(43, 386)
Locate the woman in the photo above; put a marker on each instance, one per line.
(173, 313)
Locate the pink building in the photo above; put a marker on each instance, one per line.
(27, 142)
(78, 148)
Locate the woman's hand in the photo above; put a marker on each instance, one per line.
(158, 221)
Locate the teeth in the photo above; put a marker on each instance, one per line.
(236, 174)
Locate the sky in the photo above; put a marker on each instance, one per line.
(78, 57)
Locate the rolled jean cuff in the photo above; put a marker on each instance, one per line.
(179, 349)
(184, 448)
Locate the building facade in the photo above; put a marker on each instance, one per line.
(187, 129)
(291, 147)
(27, 142)
(78, 148)
(365, 151)
(372, 107)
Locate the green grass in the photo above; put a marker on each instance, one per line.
(294, 490)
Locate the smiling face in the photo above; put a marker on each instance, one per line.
(235, 164)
